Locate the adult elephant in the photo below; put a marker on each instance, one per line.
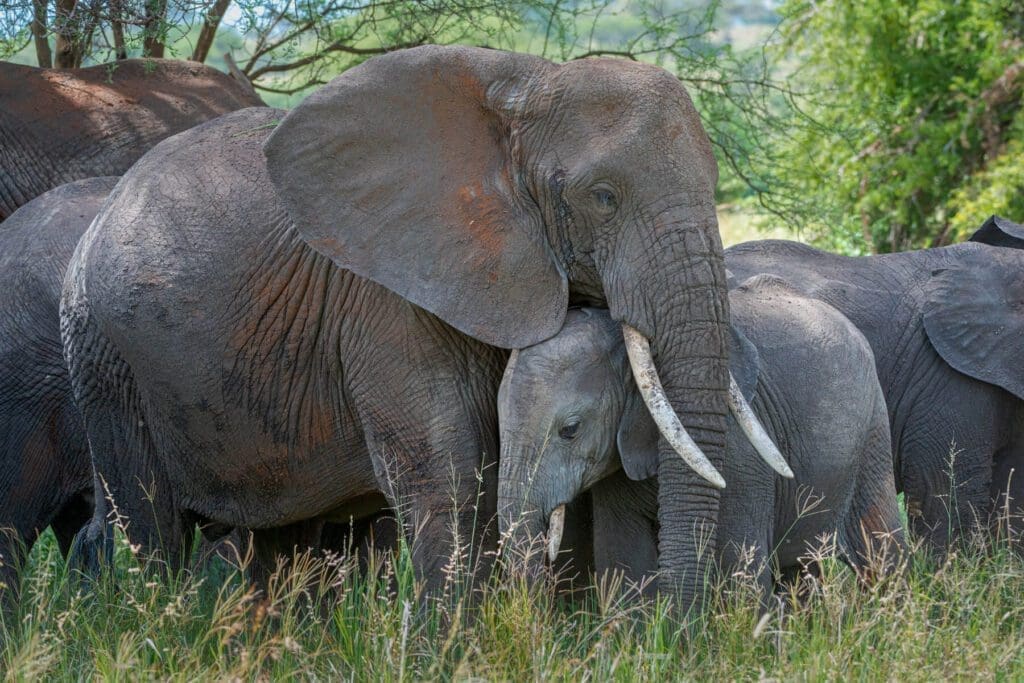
(281, 319)
(45, 477)
(60, 125)
(947, 329)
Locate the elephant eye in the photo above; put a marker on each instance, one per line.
(605, 200)
(568, 431)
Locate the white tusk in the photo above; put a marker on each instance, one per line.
(556, 525)
(646, 376)
(755, 432)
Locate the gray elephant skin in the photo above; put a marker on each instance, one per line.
(45, 477)
(60, 125)
(947, 329)
(281, 319)
(571, 416)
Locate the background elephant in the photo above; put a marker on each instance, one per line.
(45, 477)
(277, 322)
(571, 416)
(60, 125)
(947, 330)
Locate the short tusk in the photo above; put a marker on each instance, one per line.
(642, 364)
(556, 525)
(755, 432)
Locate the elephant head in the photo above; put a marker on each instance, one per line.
(571, 413)
(492, 189)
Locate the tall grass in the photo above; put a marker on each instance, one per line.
(322, 618)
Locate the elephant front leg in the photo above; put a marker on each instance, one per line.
(443, 499)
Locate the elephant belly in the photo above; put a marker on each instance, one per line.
(234, 471)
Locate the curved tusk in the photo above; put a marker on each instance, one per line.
(755, 432)
(642, 364)
(556, 525)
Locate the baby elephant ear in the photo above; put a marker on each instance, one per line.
(637, 437)
(1000, 232)
(403, 170)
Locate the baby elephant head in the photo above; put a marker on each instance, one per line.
(575, 408)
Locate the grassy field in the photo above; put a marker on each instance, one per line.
(961, 619)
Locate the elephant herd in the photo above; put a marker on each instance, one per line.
(472, 286)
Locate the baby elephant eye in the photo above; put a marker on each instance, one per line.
(568, 431)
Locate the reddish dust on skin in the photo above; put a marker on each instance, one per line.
(483, 214)
(158, 97)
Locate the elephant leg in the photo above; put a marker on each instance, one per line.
(1007, 492)
(441, 487)
(626, 529)
(872, 540)
(129, 482)
(275, 548)
(70, 519)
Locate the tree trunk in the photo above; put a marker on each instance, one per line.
(209, 31)
(117, 28)
(153, 41)
(43, 55)
(66, 34)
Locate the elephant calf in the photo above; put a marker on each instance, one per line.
(571, 415)
(946, 327)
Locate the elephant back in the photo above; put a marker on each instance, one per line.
(60, 125)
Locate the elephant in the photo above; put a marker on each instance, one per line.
(45, 476)
(284, 318)
(572, 420)
(947, 329)
(60, 125)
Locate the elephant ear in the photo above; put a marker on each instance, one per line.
(403, 171)
(744, 362)
(637, 437)
(1000, 232)
(974, 317)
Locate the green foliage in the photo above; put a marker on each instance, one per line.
(908, 135)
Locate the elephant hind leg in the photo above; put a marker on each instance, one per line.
(873, 540)
(130, 488)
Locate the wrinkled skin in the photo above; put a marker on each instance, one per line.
(45, 477)
(947, 330)
(572, 420)
(277, 322)
(60, 125)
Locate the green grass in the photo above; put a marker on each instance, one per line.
(962, 619)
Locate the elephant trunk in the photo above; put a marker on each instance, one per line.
(672, 289)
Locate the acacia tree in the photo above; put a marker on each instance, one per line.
(919, 117)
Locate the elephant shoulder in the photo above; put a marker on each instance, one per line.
(973, 314)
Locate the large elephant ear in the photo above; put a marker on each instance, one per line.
(403, 170)
(1000, 232)
(974, 317)
(637, 436)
